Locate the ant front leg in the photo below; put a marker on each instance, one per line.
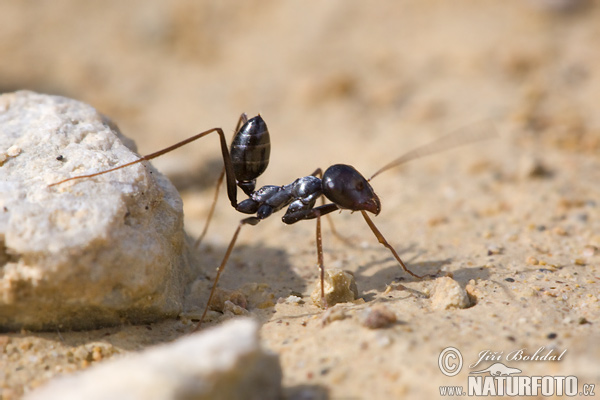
(320, 262)
(384, 242)
(319, 174)
(294, 216)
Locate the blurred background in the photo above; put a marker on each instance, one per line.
(337, 81)
(319, 73)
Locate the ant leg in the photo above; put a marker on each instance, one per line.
(385, 243)
(319, 174)
(251, 221)
(231, 184)
(317, 212)
(320, 262)
(211, 211)
(241, 121)
(293, 217)
(311, 213)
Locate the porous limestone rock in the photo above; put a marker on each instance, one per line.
(222, 363)
(88, 252)
(449, 294)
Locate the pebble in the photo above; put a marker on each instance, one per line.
(589, 250)
(340, 287)
(291, 299)
(530, 167)
(335, 313)
(532, 261)
(449, 294)
(495, 249)
(557, 230)
(378, 316)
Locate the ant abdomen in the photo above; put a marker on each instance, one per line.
(250, 150)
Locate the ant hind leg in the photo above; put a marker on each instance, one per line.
(249, 221)
(241, 121)
(212, 210)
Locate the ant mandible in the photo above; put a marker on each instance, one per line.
(341, 184)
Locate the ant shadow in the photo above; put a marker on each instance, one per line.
(254, 263)
(387, 270)
(372, 284)
(306, 392)
(248, 263)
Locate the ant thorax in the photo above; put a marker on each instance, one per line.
(299, 195)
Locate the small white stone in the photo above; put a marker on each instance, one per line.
(225, 362)
(291, 299)
(448, 294)
(383, 339)
(13, 151)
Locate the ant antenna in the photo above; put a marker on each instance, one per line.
(475, 132)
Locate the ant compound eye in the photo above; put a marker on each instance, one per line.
(348, 189)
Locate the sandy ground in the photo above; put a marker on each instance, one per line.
(515, 220)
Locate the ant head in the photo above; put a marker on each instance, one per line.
(348, 189)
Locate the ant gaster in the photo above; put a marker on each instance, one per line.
(345, 187)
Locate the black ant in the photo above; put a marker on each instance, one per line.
(345, 187)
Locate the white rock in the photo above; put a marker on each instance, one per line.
(88, 252)
(449, 294)
(221, 363)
